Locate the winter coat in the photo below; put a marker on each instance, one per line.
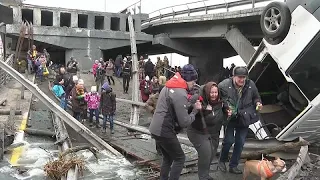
(108, 102)
(152, 102)
(167, 122)
(145, 90)
(213, 118)
(100, 76)
(58, 90)
(77, 100)
(149, 67)
(94, 68)
(109, 69)
(93, 100)
(245, 113)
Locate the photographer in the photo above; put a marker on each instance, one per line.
(170, 116)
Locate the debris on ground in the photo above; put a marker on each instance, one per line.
(67, 160)
(59, 168)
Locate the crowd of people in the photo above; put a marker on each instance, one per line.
(37, 62)
(177, 102)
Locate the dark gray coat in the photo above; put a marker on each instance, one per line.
(162, 123)
(245, 113)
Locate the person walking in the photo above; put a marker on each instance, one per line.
(126, 75)
(110, 71)
(169, 117)
(205, 130)
(242, 97)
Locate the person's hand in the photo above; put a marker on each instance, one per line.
(258, 106)
(198, 105)
(62, 81)
(229, 112)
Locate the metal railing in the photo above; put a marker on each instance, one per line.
(133, 8)
(205, 7)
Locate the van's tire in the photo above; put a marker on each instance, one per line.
(275, 21)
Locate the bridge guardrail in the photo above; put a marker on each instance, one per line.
(204, 7)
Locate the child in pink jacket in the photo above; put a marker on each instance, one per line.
(93, 100)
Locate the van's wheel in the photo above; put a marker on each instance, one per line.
(275, 21)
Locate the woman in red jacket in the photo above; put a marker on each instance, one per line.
(145, 89)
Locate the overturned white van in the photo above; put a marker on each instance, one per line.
(286, 70)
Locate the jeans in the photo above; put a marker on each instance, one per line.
(96, 114)
(172, 155)
(238, 140)
(107, 118)
(126, 81)
(206, 146)
(77, 115)
(118, 71)
(63, 102)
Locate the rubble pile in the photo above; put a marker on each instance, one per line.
(310, 170)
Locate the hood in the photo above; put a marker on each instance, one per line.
(206, 92)
(177, 82)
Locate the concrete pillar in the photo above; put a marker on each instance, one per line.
(74, 20)
(85, 57)
(123, 20)
(17, 14)
(107, 23)
(91, 21)
(37, 17)
(137, 24)
(56, 19)
(240, 43)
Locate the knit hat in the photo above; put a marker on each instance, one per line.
(75, 78)
(240, 71)
(80, 81)
(93, 88)
(188, 73)
(105, 86)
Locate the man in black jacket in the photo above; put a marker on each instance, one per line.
(126, 74)
(243, 99)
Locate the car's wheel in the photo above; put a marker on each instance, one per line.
(275, 21)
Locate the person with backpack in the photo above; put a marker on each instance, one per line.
(107, 106)
(170, 116)
(145, 89)
(126, 75)
(93, 100)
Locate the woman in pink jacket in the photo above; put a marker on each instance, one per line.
(93, 100)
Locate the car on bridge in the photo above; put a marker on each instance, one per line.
(286, 70)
